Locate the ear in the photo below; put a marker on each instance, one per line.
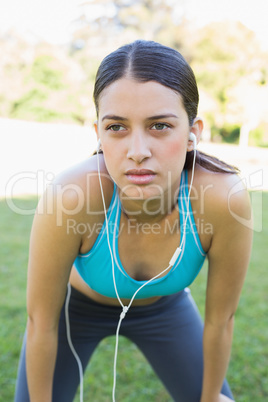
(96, 128)
(97, 131)
(196, 129)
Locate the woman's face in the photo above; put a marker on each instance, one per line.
(143, 128)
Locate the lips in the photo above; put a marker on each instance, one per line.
(140, 176)
(139, 172)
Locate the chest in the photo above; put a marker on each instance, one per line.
(145, 249)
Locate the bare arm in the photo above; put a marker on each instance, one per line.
(53, 249)
(228, 260)
(52, 252)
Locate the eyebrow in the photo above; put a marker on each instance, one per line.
(156, 117)
(113, 117)
(162, 116)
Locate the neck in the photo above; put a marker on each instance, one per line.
(150, 210)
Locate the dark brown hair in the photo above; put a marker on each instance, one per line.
(150, 61)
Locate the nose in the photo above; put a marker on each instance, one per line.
(138, 149)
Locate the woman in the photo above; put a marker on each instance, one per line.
(112, 223)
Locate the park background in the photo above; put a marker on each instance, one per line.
(49, 55)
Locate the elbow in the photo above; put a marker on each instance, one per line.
(229, 324)
(38, 325)
(221, 323)
(41, 336)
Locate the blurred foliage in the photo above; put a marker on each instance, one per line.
(256, 136)
(43, 73)
(228, 133)
(32, 104)
(44, 82)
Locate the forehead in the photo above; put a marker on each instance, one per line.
(125, 93)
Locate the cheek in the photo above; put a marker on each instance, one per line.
(176, 152)
(112, 159)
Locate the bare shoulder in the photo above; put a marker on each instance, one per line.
(222, 195)
(77, 189)
(221, 207)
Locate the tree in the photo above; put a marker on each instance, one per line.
(232, 73)
(112, 22)
(41, 82)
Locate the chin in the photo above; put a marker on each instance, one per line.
(143, 194)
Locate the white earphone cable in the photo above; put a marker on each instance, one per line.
(188, 199)
(107, 228)
(68, 331)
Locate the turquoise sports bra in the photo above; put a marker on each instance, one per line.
(95, 267)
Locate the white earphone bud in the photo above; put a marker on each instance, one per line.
(98, 146)
(192, 138)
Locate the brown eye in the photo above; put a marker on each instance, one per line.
(115, 127)
(159, 126)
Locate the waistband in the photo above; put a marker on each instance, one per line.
(86, 302)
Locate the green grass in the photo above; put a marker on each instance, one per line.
(248, 370)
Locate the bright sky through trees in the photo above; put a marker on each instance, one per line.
(51, 19)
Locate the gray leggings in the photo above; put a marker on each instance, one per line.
(168, 332)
